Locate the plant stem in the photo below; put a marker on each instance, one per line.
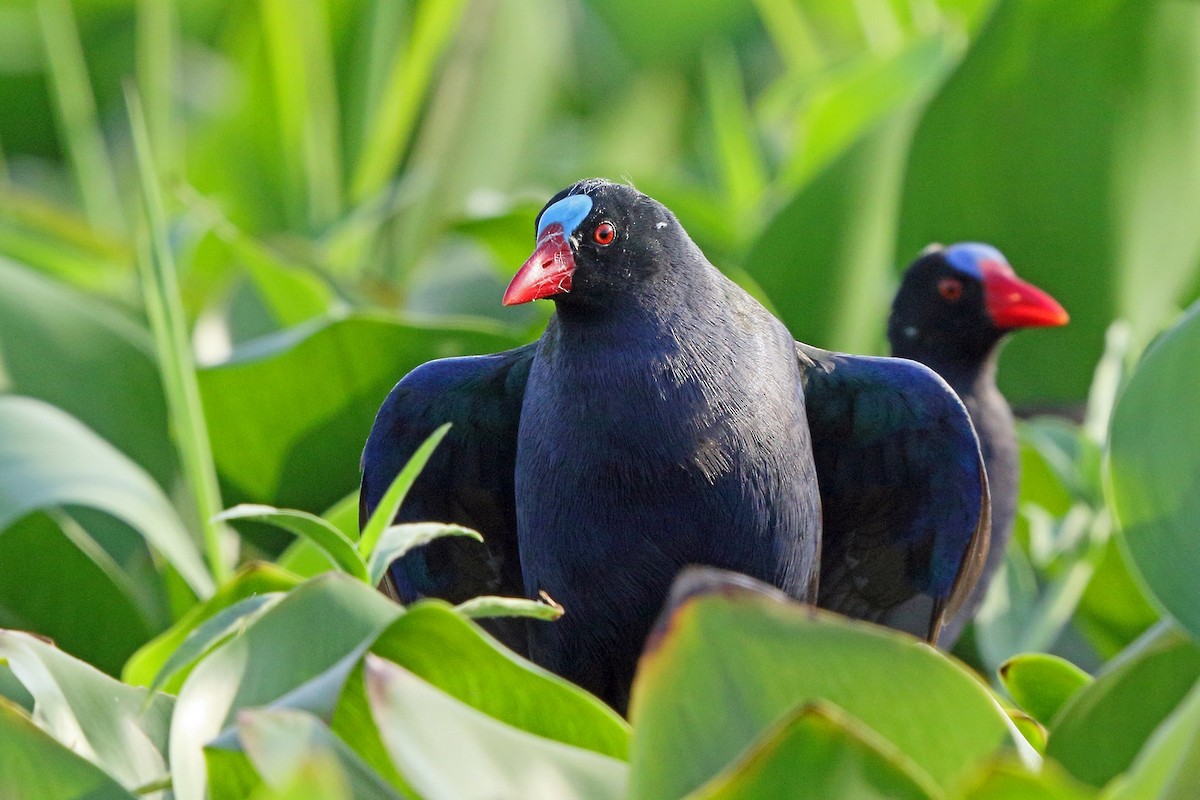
(160, 288)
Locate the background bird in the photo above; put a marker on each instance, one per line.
(659, 421)
(954, 307)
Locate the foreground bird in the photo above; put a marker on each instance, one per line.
(661, 421)
(954, 307)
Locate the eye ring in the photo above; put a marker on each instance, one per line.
(604, 234)
(950, 289)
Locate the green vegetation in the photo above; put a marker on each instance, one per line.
(226, 229)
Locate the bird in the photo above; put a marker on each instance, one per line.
(954, 308)
(661, 420)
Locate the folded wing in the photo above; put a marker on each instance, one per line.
(468, 480)
(903, 492)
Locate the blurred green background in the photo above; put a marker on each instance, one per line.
(346, 188)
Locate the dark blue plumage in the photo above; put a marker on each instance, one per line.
(902, 490)
(659, 421)
(954, 307)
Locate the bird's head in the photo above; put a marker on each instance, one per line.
(961, 300)
(597, 239)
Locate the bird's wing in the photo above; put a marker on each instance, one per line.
(468, 480)
(903, 491)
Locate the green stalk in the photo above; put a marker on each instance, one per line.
(77, 115)
(5, 178)
(302, 72)
(160, 289)
(156, 48)
(411, 76)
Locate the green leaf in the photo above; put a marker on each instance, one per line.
(819, 752)
(408, 82)
(297, 44)
(48, 459)
(146, 665)
(306, 559)
(380, 522)
(1042, 684)
(399, 539)
(77, 115)
(302, 636)
(1004, 780)
(34, 765)
(1168, 767)
(281, 743)
(1115, 609)
(289, 413)
(44, 323)
(439, 646)
(458, 753)
(731, 664)
(100, 620)
(335, 544)
(486, 606)
(120, 728)
(1099, 732)
(209, 635)
(1154, 456)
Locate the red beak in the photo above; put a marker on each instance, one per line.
(547, 272)
(1013, 303)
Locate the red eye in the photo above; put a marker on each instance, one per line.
(950, 288)
(604, 234)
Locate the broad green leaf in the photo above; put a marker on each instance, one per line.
(335, 544)
(439, 646)
(821, 753)
(299, 638)
(1100, 731)
(1031, 117)
(99, 620)
(253, 579)
(48, 459)
(34, 765)
(54, 341)
(1005, 780)
(1115, 608)
(281, 743)
(210, 634)
(458, 753)
(1168, 767)
(728, 665)
(399, 539)
(122, 729)
(1041, 683)
(289, 413)
(1154, 456)
(291, 293)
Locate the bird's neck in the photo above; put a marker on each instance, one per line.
(966, 374)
